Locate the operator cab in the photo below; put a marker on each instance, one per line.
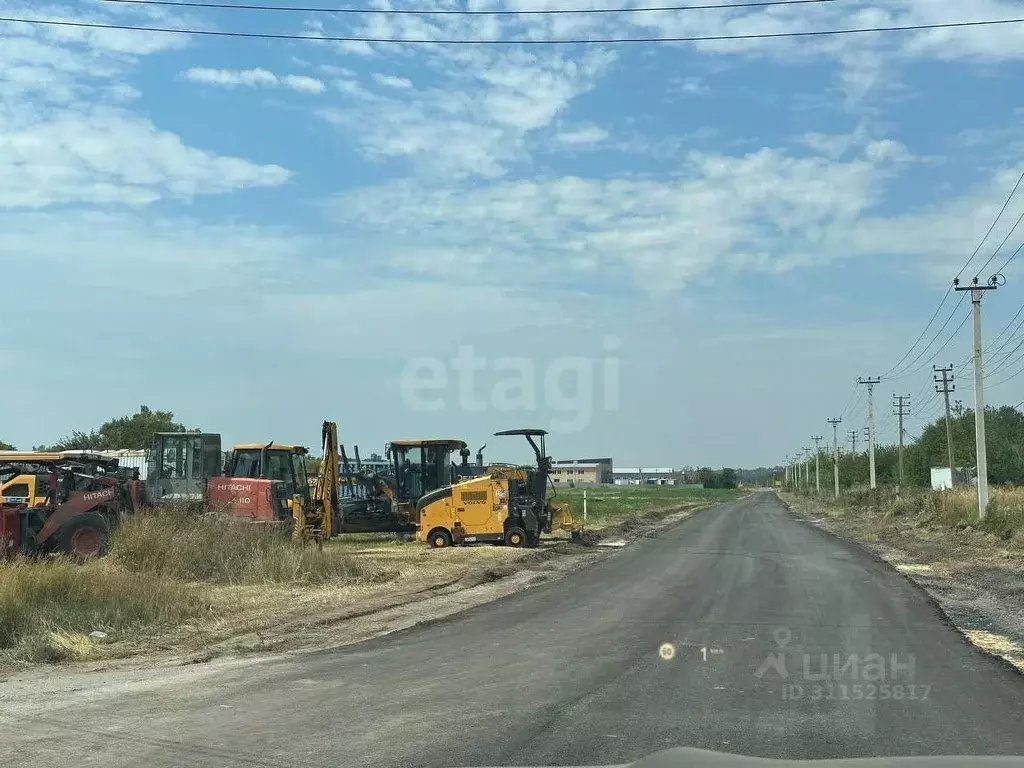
(180, 465)
(284, 464)
(422, 466)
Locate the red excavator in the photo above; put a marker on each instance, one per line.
(55, 502)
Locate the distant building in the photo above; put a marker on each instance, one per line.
(645, 476)
(582, 471)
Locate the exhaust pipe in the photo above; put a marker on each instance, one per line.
(480, 455)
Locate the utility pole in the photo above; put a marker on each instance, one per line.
(901, 406)
(817, 462)
(807, 466)
(947, 387)
(853, 441)
(835, 451)
(870, 384)
(979, 388)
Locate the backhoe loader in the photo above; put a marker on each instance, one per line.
(268, 483)
(507, 505)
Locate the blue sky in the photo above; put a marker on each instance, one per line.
(718, 237)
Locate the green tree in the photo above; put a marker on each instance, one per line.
(6, 446)
(133, 432)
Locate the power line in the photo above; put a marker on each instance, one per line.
(999, 215)
(1011, 257)
(949, 290)
(1000, 246)
(462, 12)
(908, 371)
(499, 41)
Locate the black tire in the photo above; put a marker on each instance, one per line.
(439, 538)
(84, 537)
(515, 537)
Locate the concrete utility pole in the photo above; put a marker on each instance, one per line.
(979, 389)
(870, 384)
(947, 387)
(807, 466)
(901, 408)
(835, 451)
(817, 462)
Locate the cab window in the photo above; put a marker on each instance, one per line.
(16, 493)
(279, 467)
(299, 471)
(173, 458)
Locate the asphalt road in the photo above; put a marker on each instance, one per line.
(570, 673)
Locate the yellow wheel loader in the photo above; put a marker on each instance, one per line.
(507, 505)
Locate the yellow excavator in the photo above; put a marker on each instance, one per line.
(507, 505)
(386, 502)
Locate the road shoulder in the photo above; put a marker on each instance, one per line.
(974, 579)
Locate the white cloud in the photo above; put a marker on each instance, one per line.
(583, 136)
(106, 155)
(475, 121)
(67, 136)
(764, 211)
(254, 77)
(391, 81)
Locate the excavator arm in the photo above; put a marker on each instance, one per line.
(326, 496)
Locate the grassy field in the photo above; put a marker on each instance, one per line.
(609, 505)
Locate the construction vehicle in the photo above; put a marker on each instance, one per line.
(386, 502)
(181, 465)
(53, 502)
(507, 505)
(268, 483)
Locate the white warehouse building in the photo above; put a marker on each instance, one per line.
(644, 476)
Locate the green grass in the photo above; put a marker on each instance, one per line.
(608, 504)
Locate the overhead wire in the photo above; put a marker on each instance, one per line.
(892, 373)
(910, 371)
(505, 41)
(1007, 237)
(464, 11)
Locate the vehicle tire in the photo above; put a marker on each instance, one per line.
(439, 538)
(515, 537)
(84, 537)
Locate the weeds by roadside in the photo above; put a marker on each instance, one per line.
(178, 544)
(955, 508)
(164, 567)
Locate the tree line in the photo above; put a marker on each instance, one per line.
(1004, 432)
(134, 431)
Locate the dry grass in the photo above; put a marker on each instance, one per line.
(951, 509)
(215, 549)
(167, 570)
(49, 608)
